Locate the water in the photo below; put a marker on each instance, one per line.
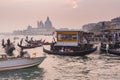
(91, 67)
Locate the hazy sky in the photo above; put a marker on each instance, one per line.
(18, 14)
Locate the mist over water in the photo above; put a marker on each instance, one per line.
(91, 67)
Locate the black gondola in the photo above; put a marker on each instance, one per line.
(38, 42)
(33, 42)
(103, 49)
(29, 46)
(46, 43)
(75, 53)
(113, 51)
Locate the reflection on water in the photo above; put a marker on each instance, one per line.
(32, 73)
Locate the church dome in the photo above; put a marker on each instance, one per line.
(40, 24)
(48, 23)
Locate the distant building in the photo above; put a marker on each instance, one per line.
(98, 27)
(42, 29)
(88, 27)
(116, 23)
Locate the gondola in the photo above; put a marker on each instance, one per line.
(29, 46)
(103, 49)
(33, 42)
(75, 53)
(38, 42)
(46, 43)
(113, 51)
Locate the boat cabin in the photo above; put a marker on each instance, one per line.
(71, 37)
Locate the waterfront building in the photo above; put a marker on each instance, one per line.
(98, 27)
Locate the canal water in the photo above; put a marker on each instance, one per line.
(91, 67)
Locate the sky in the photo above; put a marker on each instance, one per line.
(18, 14)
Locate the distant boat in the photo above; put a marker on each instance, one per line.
(30, 46)
(15, 38)
(38, 42)
(34, 42)
(18, 63)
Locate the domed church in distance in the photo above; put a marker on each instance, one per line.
(45, 28)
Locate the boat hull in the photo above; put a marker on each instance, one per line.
(103, 49)
(29, 47)
(19, 63)
(113, 51)
(76, 53)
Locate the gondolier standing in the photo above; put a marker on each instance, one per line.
(8, 42)
(21, 41)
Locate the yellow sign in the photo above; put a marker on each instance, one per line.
(34, 54)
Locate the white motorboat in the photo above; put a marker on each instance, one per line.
(18, 63)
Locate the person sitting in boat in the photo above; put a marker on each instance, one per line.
(9, 49)
(62, 50)
(21, 53)
(24, 53)
(85, 40)
(68, 50)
